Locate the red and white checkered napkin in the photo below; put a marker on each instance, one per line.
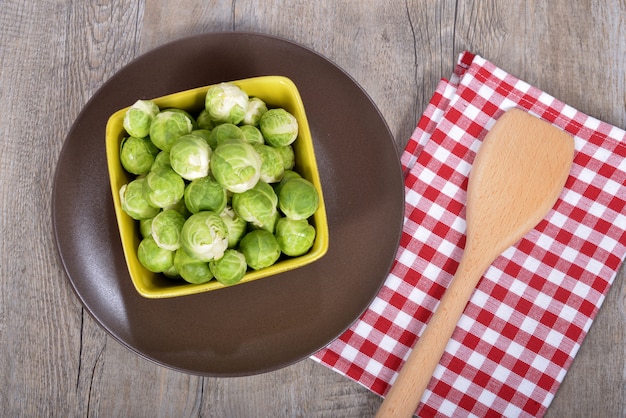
(535, 304)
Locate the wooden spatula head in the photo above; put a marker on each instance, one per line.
(516, 178)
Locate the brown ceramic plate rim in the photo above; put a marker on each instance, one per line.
(264, 325)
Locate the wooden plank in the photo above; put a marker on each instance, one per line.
(56, 361)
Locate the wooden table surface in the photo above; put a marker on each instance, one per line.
(55, 360)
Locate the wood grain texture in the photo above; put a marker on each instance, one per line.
(56, 361)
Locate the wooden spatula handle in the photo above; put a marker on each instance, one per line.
(405, 394)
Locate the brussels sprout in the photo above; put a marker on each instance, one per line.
(257, 206)
(166, 229)
(161, 159)
(289, 174)
(272, 169)
(194, 124)
(189, 157)
(295, 237)
(255, 109)
(190, 268)
(145, 227)
(226, 103)
(205, 194)
(297, 198)
(137, 154)
(153, 257)
(260, 249)
(252, 134)
(204, 133)
(235, 224)
(236, 166)
(205, 236)
(163, 187)
(172, 272)
(278, 127)
(204, 121)
(179, 207)
(134, 202)
(167, 127)
(289, 158)
(229, 269)
(138, 118)
(224, 132)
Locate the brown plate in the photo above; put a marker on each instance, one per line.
(263, 325)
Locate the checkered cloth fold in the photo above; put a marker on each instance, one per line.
(532, 308)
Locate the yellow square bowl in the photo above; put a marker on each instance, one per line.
(276, 91)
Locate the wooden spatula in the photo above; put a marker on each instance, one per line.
(517, 176)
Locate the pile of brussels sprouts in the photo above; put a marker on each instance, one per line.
(215, 193)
